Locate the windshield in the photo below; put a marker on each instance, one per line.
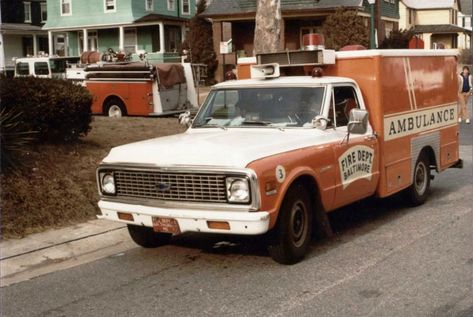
(252, 107)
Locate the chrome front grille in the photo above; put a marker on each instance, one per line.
(171, 186)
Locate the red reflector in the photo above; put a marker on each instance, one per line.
(125, 216)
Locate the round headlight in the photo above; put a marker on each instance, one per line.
(239, 191)
(108, 184)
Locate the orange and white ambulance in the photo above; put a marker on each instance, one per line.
(140, 89)
(274, 154)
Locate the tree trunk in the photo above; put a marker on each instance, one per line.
(268, 26)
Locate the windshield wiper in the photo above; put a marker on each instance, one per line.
(210, 125)
(254, 122)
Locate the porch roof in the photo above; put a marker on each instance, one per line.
(153, 17)
(20, 27)
(440, 29)
(230, 8)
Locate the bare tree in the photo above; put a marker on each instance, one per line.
(268, 26)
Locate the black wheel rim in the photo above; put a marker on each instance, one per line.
(420, 178)
(298, 223)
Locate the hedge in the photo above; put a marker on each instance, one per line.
(57, 110)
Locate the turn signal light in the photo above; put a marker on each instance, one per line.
(125, 216)
(221, 225)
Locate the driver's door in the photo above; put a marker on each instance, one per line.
(357, 155)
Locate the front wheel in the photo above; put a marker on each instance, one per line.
(147, 237)
(417, 193)
(290, 239)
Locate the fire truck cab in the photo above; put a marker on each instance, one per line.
(273, 154)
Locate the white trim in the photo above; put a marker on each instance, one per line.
(70, 7)
(182, 7)
(408, 83)
(43, 5)
(396, 53)
(105, 10)
(27, 4)
(411, 82)
(389, 19)
(173, 7)
(108, 26)
(149, 9)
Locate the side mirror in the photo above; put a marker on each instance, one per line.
(320, 122)
(358, 123)
(185, 119)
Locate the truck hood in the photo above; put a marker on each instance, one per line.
(216, 147)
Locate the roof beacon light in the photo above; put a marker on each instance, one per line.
(265, 71)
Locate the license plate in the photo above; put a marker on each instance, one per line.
(168, 225)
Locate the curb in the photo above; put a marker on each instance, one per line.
(54, 250)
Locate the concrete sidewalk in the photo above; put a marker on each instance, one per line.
(53, 250)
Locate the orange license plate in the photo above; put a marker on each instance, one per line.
(168, 225)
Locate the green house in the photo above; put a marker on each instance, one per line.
(130, 26)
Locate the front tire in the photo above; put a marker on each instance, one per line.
(418, 192)
(147, 237)
(290, 239)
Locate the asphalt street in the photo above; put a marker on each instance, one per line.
(385, 260)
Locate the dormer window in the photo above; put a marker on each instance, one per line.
(149, 5)
(186, 8)
(66, 7)
(110, 5)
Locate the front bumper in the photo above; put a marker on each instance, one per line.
(190, 220)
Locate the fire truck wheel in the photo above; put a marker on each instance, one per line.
(290, 239)
(147, 237)
(115, 108)
(419, 190)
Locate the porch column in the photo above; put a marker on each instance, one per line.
(50, 43)
(35, 45)
(121, 39)
(161, 37)
(183, 33)
(86, 40)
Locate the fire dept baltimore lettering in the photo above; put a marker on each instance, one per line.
(419, 121)
(356, 163)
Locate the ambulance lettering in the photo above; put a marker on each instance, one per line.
(356, 163)
(419, 121)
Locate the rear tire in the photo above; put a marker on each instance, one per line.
(290, 239)
(417, 193)
(147, 237)
(114, 108)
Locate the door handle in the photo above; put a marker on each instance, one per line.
(371, 137)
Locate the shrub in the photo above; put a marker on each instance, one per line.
(199, 40)
(344, 27)
(14, 139)
(397, 39)
(56, 109)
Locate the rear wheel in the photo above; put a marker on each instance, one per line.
(290, 239)
(114, 108)
(418, 192)
(147, 237)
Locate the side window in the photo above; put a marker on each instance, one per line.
(23, 69)
(344, 100)
(41, 68)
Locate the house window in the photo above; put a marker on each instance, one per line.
(66, 7)
(149, 4)
(44, 12)
(110, 5)
(186, 9)
(130, 41)
(27, 7)
(171, 5)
